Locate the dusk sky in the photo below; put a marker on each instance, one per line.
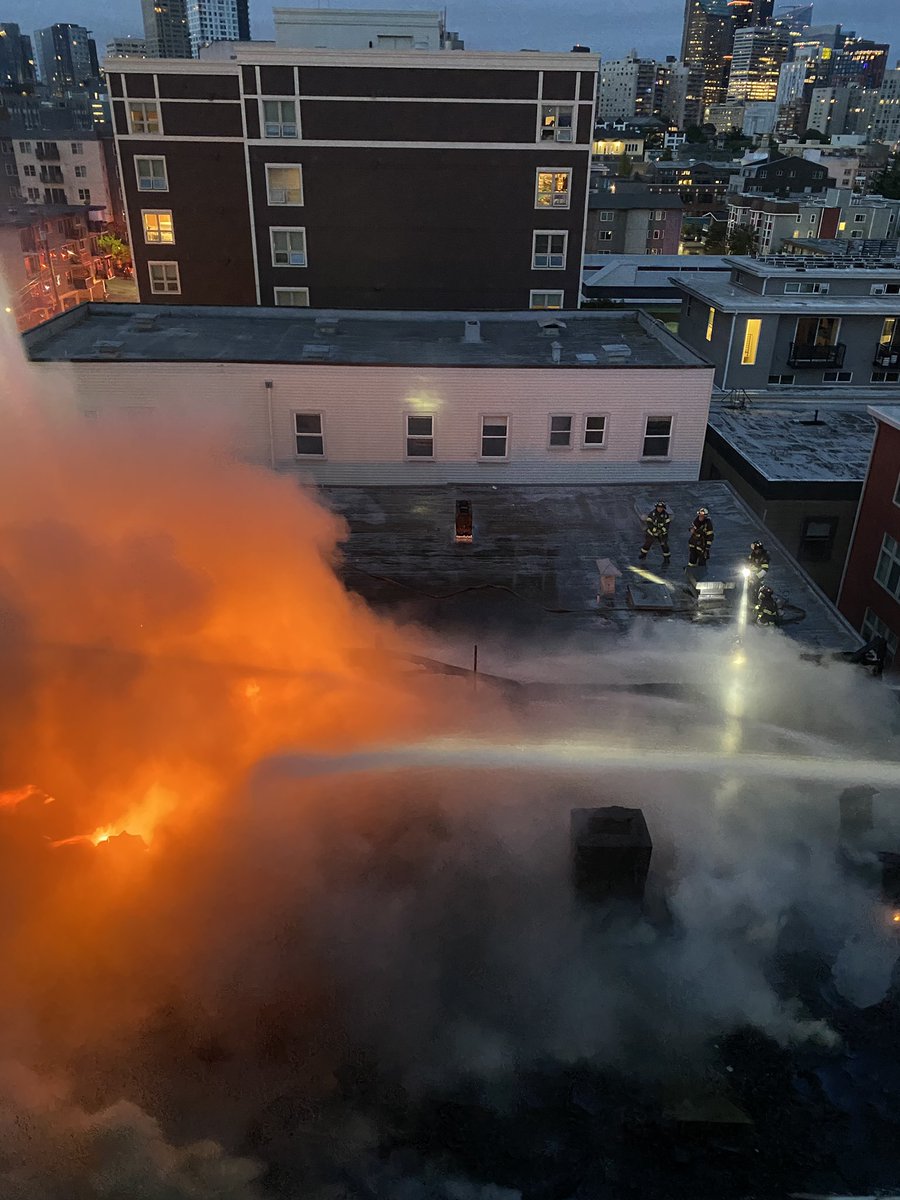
(611, 27)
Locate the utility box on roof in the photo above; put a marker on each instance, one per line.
(611, 850)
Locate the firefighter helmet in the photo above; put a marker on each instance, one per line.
(660, 504)
(757, 546)
(702, 512)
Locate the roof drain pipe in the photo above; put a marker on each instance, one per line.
(271, 423)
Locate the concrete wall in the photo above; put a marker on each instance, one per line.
(333, 29)
(364, 411)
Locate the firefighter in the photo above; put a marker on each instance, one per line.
(700, 539)
(758, 562)
(657, 523)
(766, 608)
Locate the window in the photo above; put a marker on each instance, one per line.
(887, 572)
(560, 433)
(817, 539)
(553, 189)
(873, 626)
(34, 193)
(656, 235)
(859, 218)
(279, 118)
(494, 436)
(549, 250)
(309, 433)
(658, 214)
(81, 172)
(292, 297)
(545, 299)
(807, 289)
(857, 233)
(419, 436)
(837, 377)
(164, 278)
(24, 147)
(284, 185)
(143, 116)
(657, 436)
(158, 226)
(604, 235)
(11, 169)
(84, 195)
(897, 492)
(6, 147)
(594, 432)
(29, 169)
(886, 376)
(77, 147)
(556, 122)
(151, 174)
(288, 247)
(885, 289)
(751, 341)
(606, 215)
(711, 320)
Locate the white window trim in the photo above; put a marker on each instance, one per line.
(137, 174)
(489, 458)
(544, 292)
(281, 166)
(893, 556)
(419, 437)
(657, 416)
(570, 445)
(573, 128)
(132, 132)
(539, 171)
(285, 288)
(273, 229)
(297, 412)
(897, 492)
(164, 262)
(564, 234)
(262, 118)
(585, 445)
(151, 212)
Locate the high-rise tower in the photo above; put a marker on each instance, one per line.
(166, 28)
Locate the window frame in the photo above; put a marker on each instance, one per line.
(892, 558)
(77, 147)
(751, 345)
(648, 417)
(157, 212)
(553, 172)
(804, 552)
(601, 445)
(495, 418)
(145, 105)
(607, 214)
(710, 323)
(263, 123)
(409, 438)
(270, 203)
(555, 129)
(551, 432)
(151, 158)
(289, 229)
(532, 307)
(549, 266)
(285, 288)
(166, 263)
(298, 453)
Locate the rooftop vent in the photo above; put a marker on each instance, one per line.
(551, 327)
(316, 352)
(326, 325)
(472, 331)
(586, 358)
(556, 352)
(108, 349)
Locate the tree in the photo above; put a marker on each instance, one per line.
(666, 156)
(716, 239)
(742, 240)
(626, 166)
(813, 135)
(110, 243)
(695, 135)
(887, 182)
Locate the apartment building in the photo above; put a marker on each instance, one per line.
(773, 323)
(630, 219)
(358, 179)
(64, 170)
(782, 225)
(782, 176)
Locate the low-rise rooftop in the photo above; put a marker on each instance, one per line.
(618, 274)
(182, 333)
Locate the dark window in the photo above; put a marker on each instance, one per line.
(419, 437)
(561, 431)
(657, 437)
(494, 431)
(817, 539)
(310, 438)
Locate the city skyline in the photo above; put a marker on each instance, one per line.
(489, 24)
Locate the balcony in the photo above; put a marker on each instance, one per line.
(47, 152)
(887, 355)
(810, 355)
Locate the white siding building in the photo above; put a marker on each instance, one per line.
(361, 29)
(375, 399)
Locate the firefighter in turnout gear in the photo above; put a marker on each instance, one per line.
(758, 562)
(700, 539)
(657, 523)
(766, 608)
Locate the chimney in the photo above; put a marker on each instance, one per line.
(472, 331)
(556, 351)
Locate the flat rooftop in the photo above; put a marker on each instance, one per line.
(182, 333)
(799, 444)
(726, 297)
(531, 569)
(619, 271)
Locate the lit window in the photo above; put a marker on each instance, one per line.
(308, 430)
(143, 116)
(553, 189)
(560, 433)
(710, 323)
(284, 185)
(151, 174)
(291, 297)
(158, 226)
(288, 247)
(556, 122)
(419, 436)
(887, 572)
(545, 300)
(279, 118)
(594, 432)
(164, 278)
(549, 250)
(751, 341)
(657, 437)
(494, 437)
